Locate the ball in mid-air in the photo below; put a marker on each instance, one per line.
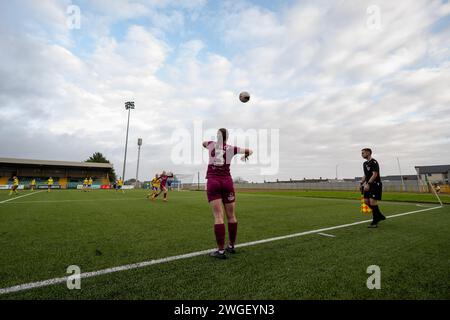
(244, 97)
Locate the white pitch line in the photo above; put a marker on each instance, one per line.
(79, 200)
(423, 205)
(326, 235)
(25, 195)
(387, 202)
(45, 283)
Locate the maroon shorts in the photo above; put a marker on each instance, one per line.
(220, 188)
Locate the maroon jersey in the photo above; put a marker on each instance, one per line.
(164, 179)
(220, 159)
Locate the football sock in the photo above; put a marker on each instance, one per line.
(379, 214)
(219, 231)
(376, 213)
(165, 195)
(232, 232)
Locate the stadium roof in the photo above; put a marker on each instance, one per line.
(433, 169)
(399, 177)
(56, 163)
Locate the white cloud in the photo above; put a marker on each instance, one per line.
(139, 53)
(315, 71)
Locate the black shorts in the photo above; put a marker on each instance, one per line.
(375, 191)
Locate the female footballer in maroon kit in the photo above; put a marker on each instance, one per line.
(220, 189)
(163, 177)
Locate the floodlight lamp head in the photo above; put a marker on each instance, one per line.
(129, 105)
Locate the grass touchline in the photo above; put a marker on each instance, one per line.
(53, 281)
(25, 195)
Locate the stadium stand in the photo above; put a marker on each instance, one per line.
(63, 182)
(3, 180)
(66, 174)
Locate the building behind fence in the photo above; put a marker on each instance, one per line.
(436, 175)
(389, 186)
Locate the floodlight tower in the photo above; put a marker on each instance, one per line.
(139, 155)
(128, 106)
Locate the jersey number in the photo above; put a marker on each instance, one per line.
(219, 159)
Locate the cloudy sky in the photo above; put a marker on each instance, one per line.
(326, 78)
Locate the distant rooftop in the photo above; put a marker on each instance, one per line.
(398, 177)
(433, 169)
(55, 163)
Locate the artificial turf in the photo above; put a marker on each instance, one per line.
(42, 234)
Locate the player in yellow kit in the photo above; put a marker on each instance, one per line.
(14, 186)
(120, 185)
(85, 184)
(49, 184)
(33, 184)
(156, 182)
(90, 184)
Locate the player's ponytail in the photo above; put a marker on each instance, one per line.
(222, 135)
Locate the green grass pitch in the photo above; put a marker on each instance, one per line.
(42, 234)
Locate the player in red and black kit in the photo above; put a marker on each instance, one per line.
(163, 177)
(220, 190)
(371, 186)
